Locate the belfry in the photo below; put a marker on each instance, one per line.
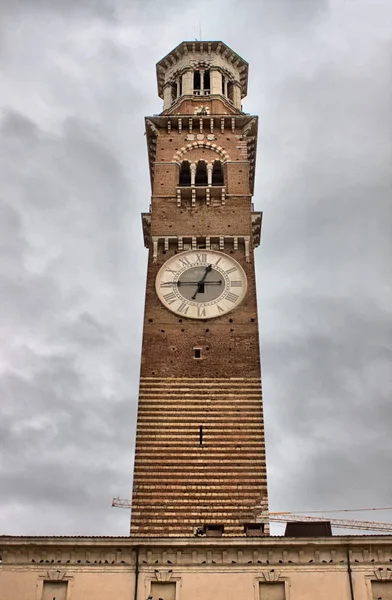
(200, 456)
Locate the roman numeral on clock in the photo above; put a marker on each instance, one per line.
(183, 308)
(170, 298)
(171, 271)
(232, 297)
(231, 270)
(201, 311)
(184, 262)
(201, 258)
(236, 283)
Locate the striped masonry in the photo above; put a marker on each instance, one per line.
(200, 456)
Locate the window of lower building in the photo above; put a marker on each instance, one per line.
(382, 590)
(254, 529)
(214, 530)
(272, 591)
(163, 590)
(55, 590)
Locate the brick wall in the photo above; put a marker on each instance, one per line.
(180, 483)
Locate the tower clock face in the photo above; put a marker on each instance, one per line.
(201, 284)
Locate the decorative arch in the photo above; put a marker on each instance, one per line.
(178, 156)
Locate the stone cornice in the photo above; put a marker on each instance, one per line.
(224, 542)
(197, 554)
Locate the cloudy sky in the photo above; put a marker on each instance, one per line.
(76, 79)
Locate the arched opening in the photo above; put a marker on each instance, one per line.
(185, 173)
(201, 82)
(173, 92)
(217, 173)
(206, 82)
(201, 173)
(230, 91)
(196, 83)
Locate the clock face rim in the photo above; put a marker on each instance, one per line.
(199, 313)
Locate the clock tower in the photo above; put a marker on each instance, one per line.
(200, 464)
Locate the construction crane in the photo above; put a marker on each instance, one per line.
(121, 503)
(287, 517)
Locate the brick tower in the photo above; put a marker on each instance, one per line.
(200, 456)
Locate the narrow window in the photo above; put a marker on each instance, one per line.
(201, 435)
(272, 591)
(217, 173)
(185, 173)
(206, 82)
(223, 85)
(196, 352)
(230, 91)
(163, 590)
(196, 83)
(254, 529)
(214, 530)
(55, 590)
(382, 590)
(173, 92)
(201, 173)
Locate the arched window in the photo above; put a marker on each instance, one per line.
(217, 173)
(173, 92)
(196, 83)
(201, 82)
(230, 91)
(207, 84)
(201, 173)
(185, 173)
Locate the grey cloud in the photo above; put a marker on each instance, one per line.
(72, 266)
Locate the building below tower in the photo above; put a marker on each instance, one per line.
(267, 568)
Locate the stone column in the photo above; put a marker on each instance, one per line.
(209, 174)
(193, 173)
(237, 95)
(187, 83)
(225, 82)
(201, 83)
(167, 98)
(216, 81)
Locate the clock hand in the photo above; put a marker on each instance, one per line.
(181, 283)
(197, 282)
(200, 283)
